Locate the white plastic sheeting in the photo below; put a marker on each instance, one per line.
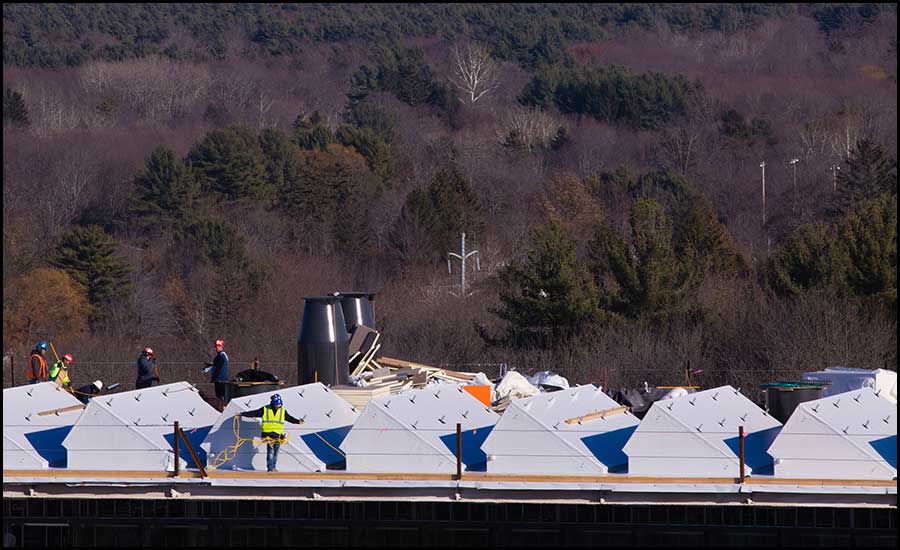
(134, 430)
(844, 379)
(533, 437)
(311, 446)
(697, 435)
(852, 435)
(32, 441)
(415, 431)
(515, 386)
(548, 378)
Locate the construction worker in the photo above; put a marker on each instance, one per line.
(59, 372)
(37, 364)
(219, 368)
(146, 370)
(273, 417)
(84, 393)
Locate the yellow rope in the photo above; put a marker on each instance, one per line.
(229, 453)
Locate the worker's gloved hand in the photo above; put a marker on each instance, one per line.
(207, 369)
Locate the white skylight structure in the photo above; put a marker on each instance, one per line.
(34, 425)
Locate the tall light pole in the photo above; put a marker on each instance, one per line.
(834, 171)
(462, 257)
(765, 231)
(763, 166)
(793, 162)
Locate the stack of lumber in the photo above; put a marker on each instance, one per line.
(387, 375)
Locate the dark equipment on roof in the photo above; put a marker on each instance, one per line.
(322, 347)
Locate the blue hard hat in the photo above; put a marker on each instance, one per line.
(276, 400)
(42, 345)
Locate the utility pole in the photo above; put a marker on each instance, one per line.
(793, 162)
(765, 231)
(834, 171)
(462, 257)
(763, 166)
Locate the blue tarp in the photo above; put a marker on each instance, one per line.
(607, 447)
(474, 459)
(887, 448)
(756, 446)
(48, 444)
(324, 451)
(196, 437)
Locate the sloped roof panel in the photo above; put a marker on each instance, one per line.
(415, 431)
(134, 429)
(846, 436)
(533, 435)
(697, 434)
(31, 440)
(327, 419)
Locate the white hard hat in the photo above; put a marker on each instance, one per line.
(98, 384)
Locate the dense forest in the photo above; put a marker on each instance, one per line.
(652, 189)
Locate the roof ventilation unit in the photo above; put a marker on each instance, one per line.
(322, 348)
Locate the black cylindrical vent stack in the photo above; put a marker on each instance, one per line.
(358, 309)
(322, 354)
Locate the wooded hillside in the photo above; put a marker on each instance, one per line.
(177, 173)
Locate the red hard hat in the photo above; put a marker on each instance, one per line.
(68, 358)
(220, 342)
(148, 351)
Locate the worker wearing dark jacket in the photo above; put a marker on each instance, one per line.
(273, 417)
(219, 368)
(85, 393)
(146, 370)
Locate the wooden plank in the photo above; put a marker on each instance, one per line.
(596, 415)
(62, 410)
(391, 362)
(381, 373)
(471, 476)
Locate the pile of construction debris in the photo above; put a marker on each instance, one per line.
(375, 378)
(372, 378)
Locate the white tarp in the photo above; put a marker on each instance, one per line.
(326, 420)
(548, 378)
(515, 386)
(697, 435)
(533, 435)
(851, 435)
(844, 379)
(134, 430)
(415, 431)
(32, 441)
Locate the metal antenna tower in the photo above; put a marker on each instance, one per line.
(462, 257)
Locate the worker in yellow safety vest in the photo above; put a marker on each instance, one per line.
(59, 372)
(273, 417)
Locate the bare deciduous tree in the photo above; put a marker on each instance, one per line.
(527, 128)
(474, 71)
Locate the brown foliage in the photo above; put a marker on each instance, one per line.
(44, 303)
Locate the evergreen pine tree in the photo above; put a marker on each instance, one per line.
(868, 174)
(230, 162)
(88, 255)
(165, 191)
(548, 296)
(870, 238)
(14, 110)
(280, 157)
(646, 279)
(810, 258)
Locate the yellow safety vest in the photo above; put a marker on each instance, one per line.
(59, 373)
(273, 421)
